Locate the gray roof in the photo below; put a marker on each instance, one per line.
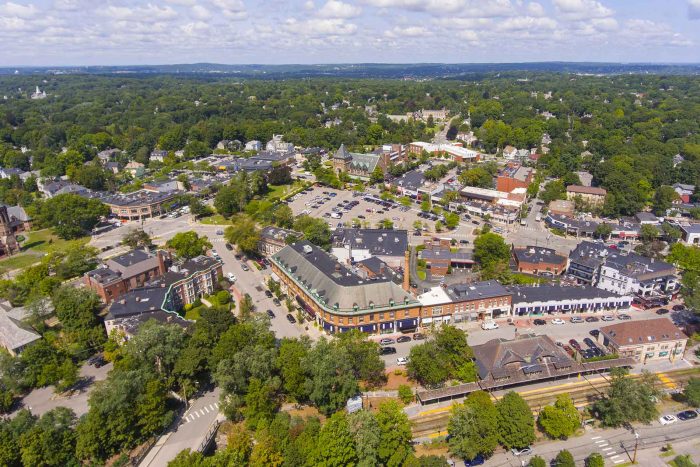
(637, 266)
(380, 242)
(277, 233)
(189, 267)
(691, 229)
(131, 324)
(17, 212)
(534, 254)
(14, 334)
(446, 254)
(646, 216)
(589, 254)
(138, 301)
(548, 292)
(342, 153)
(332, 285)
(411, 180)
(476, 291)
(366, 162)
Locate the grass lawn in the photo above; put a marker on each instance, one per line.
(19, 261)
(43, 241)
(216, 219)
(278, 191)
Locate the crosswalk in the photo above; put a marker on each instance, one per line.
(194, 415)
(607, 450)
(217, 240)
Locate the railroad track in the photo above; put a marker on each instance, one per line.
(583, 392)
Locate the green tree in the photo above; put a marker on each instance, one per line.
(77, 310)
(243, 233)
(377, 175)
(260, 403)
(478, 177)
(366, 433)
(473, 426)
(516, 425)
(315, 230)
(561, 419)
(406, 393)
(51, 440)
(627, 400)
(537, 461)
(603, 230)
(71, 216)
(425, 366)
(137, 238)
(188, 244)
(595, 460)
(330, 377)
(663, 199)
(648, 233)
(451, 220)
(683, 461)
(692, 392)
(335, 445)
(490, 249)
(364, 357)
(565, 459)
(395, 440)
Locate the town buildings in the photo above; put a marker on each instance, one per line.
(555, 299)
(277, 144)
(585, 261)
(125, 272)
(539, 261)
(337, 298)
(514, 176)
(15, 335)
(455, 152)
(353, 245)
(592, 195)
(465, 302)
(356, 165)
(690, 233)
(273, 239)
(644, 340)
(638, 275)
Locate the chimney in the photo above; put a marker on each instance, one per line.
(407, 271)
(161, 263)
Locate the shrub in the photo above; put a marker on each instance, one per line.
(405, 394)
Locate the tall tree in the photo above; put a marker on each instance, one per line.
(335, 444)
(188, 244)
(395, 439)
(561, 419)
(473, 426)
(516, 425)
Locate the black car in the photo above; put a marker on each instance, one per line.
(592, 319)
(276, 302)
(387, 350)
(687, 415)
(594, 333)
(270, 313)
(678, 308)
(268, 294)
(229, 247)
(589, 343)
(540, 322)
(291, 318)
(97, 361)
(478, 460)
(403, 339)
(418, 336)
(661, 311)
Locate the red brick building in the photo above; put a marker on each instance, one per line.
(514, 176)
(538, 260)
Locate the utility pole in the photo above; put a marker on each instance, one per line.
(636, 443)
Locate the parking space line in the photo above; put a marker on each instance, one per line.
(603, 444)
(612, 454)
(596, 437)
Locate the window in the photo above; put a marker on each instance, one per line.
(405, 313)
(381, 316)
(350, 320)
(361, 319)
(391, 315)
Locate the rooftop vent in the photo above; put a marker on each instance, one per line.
(308, 249)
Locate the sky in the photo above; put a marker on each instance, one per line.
(139, 32)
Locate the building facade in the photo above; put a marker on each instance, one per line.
(591, 195)
(340, 300)
(465, 302)
(273, 239)
(539, 261)
(645, 340)
(633, 274)
(555, 299)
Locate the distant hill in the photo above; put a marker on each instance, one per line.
(369, 70)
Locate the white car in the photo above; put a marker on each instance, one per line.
(401, 361)
(668, 419)
(607, 318)
(489, 325)
(231, 277)
(557, 321)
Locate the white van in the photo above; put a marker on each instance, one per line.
(489, 325)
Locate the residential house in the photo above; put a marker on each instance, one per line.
(158, 155)
(684, 192)
(136, 169)
(253, 145)
(15, 335)
(690, 233)
(585, 262)
(593, 195)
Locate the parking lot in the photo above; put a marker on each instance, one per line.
(345, 208)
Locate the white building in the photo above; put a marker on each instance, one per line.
(633, 274)
(277, 144)
(253, 145)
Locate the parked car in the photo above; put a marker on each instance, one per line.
(661, 311)
(540, 322)
(219, 232)
(231, 277)
(607, 318)
(276, 301)
(678, 308)
(668, 419)
(97, 361)
(268, 294)
(291, 318)
(245, 267)
(594, 333)
(401, 361)
(403, 339)
(386, 341)
(387, 350)
(489, 325)
(624, 317)
(576, 319)
(687, 415)
(478, 460)
(418, 336)
(589, 342)
(557, 321)
(521, 452)
(592, 319)
(574, 343)
(229, 247)
(270, 313)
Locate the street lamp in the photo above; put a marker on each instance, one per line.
(636, 443)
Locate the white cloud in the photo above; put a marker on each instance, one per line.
(199, 12)
(232, 9)
(309, 5)
(527, 23)
(582, 9)
(15, 9)
(338, 9)
(535, 9)
(410, 31)
(470, 8)
(149, 13)
(694, 9)
(320, 27)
